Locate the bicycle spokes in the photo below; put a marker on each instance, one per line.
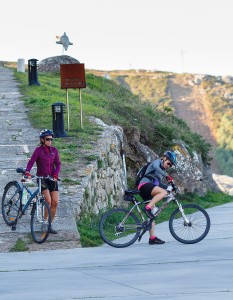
(119, 228)
(11, 203)
(40, 221)
(190, 224)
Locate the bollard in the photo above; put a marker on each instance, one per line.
(21, 65)
(58, 110)
(32, 72)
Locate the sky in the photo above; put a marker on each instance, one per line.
(193, 36)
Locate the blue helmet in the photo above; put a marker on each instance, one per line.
(46, 132)
(171, 156)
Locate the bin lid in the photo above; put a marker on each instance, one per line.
(58, 104)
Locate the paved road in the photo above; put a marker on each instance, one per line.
(170, 271)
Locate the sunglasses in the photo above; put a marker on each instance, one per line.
(49, 139)
(169, 164)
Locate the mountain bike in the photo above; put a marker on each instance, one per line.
(13, 207)
(121, 227)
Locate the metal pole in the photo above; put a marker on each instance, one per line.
(68, 110)
(124, 167)
(81, 110)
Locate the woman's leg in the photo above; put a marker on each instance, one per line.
(54, 203)
(47, 197)
(158, 194)
(152, 230)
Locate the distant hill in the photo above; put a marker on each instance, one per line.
(205, 102)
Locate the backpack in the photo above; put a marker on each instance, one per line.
(141, 173)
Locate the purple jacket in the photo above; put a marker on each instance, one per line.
(47, 161)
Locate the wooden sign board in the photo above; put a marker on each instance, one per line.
(72, 76)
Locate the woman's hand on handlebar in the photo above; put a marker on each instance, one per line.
(169, 179)
(28, 175)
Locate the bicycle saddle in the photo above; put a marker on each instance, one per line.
(20, 170)
(132, 192)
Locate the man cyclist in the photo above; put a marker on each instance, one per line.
(152, 188)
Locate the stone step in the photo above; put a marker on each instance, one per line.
(19, 139)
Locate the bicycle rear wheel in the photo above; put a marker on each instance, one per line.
(11, 202)
(119, 228)
(40, 221)
(195, 229)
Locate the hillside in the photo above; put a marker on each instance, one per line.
(193, 98)
(204, 102)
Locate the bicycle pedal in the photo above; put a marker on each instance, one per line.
(13, 228)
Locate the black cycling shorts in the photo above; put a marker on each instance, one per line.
(145, 191)
(50, 185)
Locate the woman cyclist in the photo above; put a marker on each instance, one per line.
(152, 188)
(48, 164)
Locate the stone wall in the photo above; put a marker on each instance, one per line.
(105, 179)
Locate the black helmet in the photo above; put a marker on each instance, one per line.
(171, 156)
(46, 132)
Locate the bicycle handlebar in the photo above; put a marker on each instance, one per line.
(174, 187)
(22, 171)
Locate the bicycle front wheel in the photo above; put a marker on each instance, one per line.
(194, 228)
(119, 228)
(11, 202)
(40, 221)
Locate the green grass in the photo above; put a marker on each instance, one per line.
(88, 228)
(20, 246)
(70, 181)
(113, 104)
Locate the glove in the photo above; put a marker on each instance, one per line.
(27, 174)
(169, 178)
(55, 177)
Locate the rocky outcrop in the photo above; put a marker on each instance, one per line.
(118, 155)
(225, 183)
(191, 175)
(52, 64)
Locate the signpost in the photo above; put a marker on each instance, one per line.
(73, 77)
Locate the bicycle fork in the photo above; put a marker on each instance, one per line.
(186, 220)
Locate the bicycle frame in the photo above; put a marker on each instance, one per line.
(145, 225)
(33, 197)
(170, 197)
